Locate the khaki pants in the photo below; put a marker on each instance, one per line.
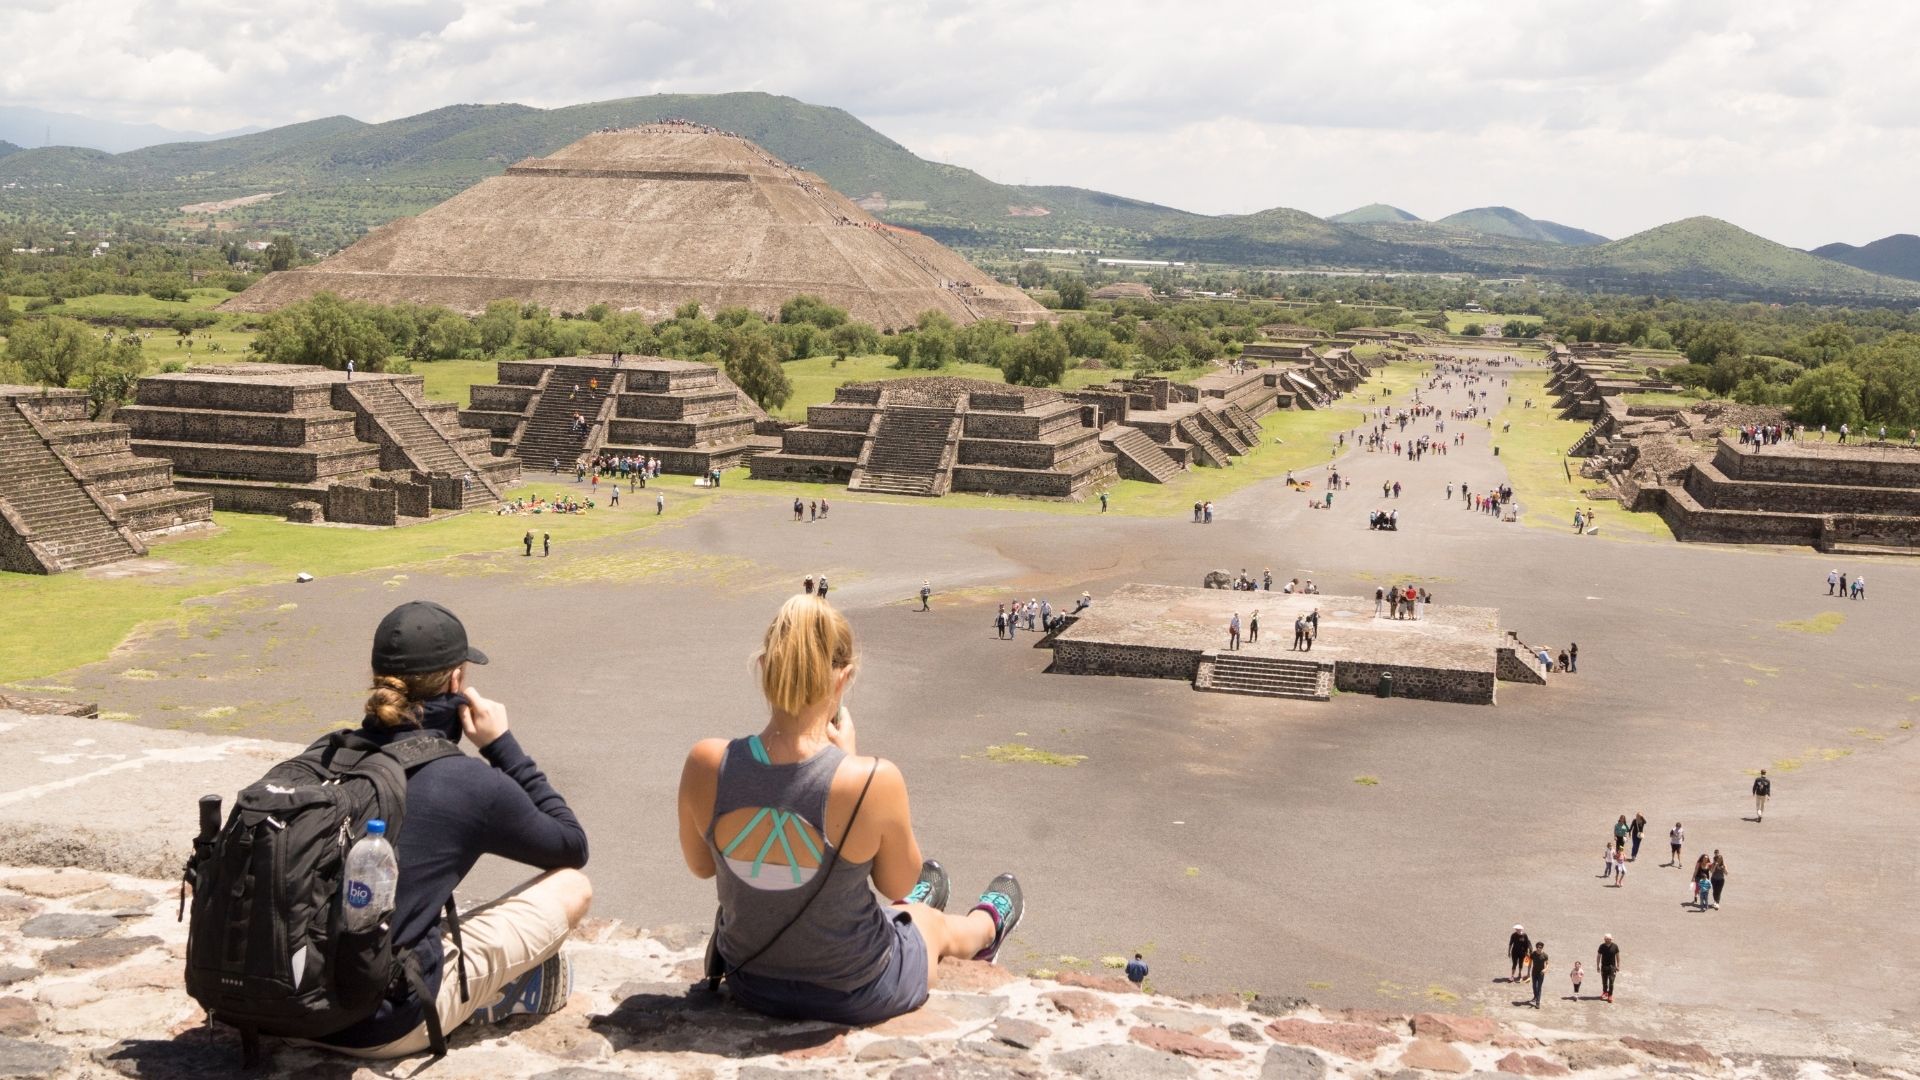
(504, 940)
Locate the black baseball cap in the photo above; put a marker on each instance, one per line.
(420, 637)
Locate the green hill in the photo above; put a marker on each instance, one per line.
(1707, 253)
(1895, 256)
(1508, 222)
(1373, 214)
(337, 177)
(7, 148)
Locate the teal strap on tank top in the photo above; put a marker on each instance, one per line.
(758, 750)
(778, 834)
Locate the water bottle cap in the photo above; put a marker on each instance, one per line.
(376, 827)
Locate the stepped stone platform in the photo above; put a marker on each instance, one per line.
(687, 414)
(1847, 499)
(72, 492)
(1451, 653)
(311, 444)
(929, 436)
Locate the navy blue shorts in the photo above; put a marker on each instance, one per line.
(901, 987)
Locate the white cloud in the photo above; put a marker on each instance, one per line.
(1797, 120)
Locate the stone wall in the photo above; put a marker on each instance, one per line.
(805, 469)
(239, 395)
(1512, 667)
(1428, 684)
(825, 443)
(1072, 657)
(997, 480)
(1890, 468)
(501, 397)
(1711, 488)
(248, 497)
(352, 505)
(238, 428)
(413, 497)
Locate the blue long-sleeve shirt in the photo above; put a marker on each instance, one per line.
(458, 809)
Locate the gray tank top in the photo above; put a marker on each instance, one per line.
(768, 869)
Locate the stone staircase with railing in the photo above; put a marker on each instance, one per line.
(1140, 457)
(53, 522)
(1244, 422)
(1265, 676)
(1222, 430)
(550, 434)
(908, 453)
(427, 447)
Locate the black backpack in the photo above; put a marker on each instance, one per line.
(1763, 786)
(266, 952)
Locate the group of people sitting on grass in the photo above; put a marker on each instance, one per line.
(534, 504)
(828, 909)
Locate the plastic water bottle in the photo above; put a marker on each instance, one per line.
(372, 873)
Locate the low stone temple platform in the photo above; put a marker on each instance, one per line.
(687, 414)
(72, 492)
(1854, 499)
(1451, 653)
(929, 436)
(312, 444)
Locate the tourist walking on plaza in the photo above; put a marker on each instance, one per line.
(926, 593)
(1676, 837)
(1000, 622)
(1233, 631)
(546, 544)
(1833, 582)
(1299, 632)
(1637, 830)
(776, 821)
(528, 540)
(659, 504)
(1717, 875)
(1701, 887)
(1621, 830)
(820, 587)
(1578, 977)
(1519, 947)
(806, 584)
(1538, 958)
(1608, 961)
(1762, 791)
(1619, 868)
(1253, 627)
(1573, 658)
(1103, 502)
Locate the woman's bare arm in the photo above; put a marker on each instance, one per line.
(699, 780)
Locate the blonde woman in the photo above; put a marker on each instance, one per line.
(800, 832)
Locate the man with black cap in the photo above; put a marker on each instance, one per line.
(503, 957)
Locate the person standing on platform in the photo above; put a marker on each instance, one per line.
(1608, 961)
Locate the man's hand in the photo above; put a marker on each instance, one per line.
(840, 731)
(482, 718)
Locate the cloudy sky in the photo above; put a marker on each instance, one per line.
(1798, 120)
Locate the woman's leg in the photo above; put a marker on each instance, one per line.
(959, 936)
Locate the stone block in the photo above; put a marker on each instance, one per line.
(1121, 1062)
(1184, 1044)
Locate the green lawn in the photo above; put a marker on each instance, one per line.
(1534, 455)
(64, 620)
(1457, 320)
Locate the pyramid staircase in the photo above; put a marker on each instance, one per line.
(46, 504)
(1244, 422)
(909, 453)
(1144, 458)
(429, 448)
(1206, 448)
(549, 434)
(1222, 430)
(1265, 676)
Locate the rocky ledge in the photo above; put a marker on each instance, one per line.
(90, 986)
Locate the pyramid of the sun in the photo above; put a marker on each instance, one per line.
(646, 219)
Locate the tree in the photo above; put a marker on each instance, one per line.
(1032, 274)
(751, 364)
(1714, 341)
(854, 338)
(1473, 329)
(811, 309)
(1072, 290)
(1828, 395)
(281, 253)
(52, 351)
(113, 375)
(1038, 357)
(1890, 381)
(1825, 344)
(497, 326)
(323, 330)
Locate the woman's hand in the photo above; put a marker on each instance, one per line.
(840, 731)
(482, 718)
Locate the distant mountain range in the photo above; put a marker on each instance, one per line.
(35, 127)
(1896, 256)
(338, 176)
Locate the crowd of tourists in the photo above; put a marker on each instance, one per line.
(534, 504)
(1034, 615)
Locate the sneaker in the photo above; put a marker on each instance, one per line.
(1004, 902)
(544, 989)
(932, 888)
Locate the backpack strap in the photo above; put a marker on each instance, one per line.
(429, 1011)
